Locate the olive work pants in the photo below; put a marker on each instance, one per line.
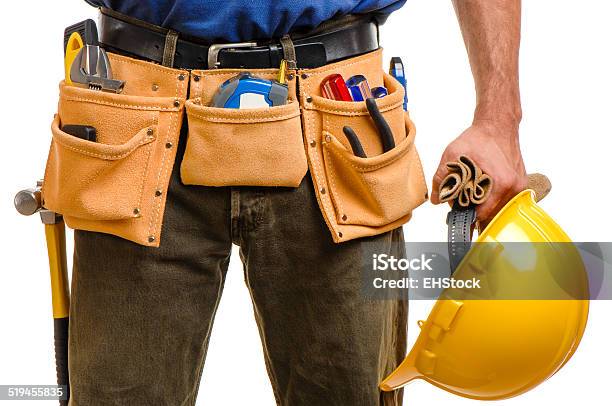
(141, 317)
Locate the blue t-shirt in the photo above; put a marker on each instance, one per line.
(241, 20)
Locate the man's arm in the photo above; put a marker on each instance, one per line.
(491, 31)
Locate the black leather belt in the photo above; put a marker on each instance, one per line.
(126, 35)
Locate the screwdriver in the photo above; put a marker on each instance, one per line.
(282, 72)
(396, 69)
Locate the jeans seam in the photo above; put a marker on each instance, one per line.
(235, 215)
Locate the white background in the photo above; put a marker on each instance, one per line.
(566, 69)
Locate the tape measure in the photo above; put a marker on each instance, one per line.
(246, 91)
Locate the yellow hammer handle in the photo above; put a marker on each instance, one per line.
(58, 266)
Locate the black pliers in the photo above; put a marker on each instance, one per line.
(384, 131)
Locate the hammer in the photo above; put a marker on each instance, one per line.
(29, 202)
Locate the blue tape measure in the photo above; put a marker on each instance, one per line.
(246, 92)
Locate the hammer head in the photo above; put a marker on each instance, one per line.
(29, 201)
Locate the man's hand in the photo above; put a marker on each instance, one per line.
(494, 147)
(491, 31)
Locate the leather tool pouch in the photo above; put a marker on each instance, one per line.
(118, 184)
(241, 147)
(361, 196)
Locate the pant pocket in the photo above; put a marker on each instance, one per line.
(97, 181)
(117, 184)
(358, 196)
(243, 147)
(373, 191)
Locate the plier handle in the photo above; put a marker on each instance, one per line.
(383, 128)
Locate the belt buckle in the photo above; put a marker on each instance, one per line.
(214, 49)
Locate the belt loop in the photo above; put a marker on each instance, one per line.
(170, 48)
(289, 51)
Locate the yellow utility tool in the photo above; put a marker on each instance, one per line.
(491, 347)
(73, 46)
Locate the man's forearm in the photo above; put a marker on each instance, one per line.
(491, 30)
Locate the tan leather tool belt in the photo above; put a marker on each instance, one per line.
(118, 184)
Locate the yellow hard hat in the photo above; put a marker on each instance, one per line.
(499, 348)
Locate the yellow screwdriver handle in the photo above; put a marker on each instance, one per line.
(282, 72)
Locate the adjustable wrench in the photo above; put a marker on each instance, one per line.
(91, 66)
